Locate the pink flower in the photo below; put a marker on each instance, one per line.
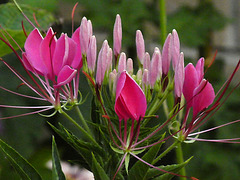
(130, 100)
(191, 87)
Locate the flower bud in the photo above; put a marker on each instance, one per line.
(155, 68)
(130, 100)
(130, 66)
(117, 36)
(122, 62)
(140, 46)
(166, 55)
(92, 53)
(175, 48)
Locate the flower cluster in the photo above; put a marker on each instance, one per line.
(124, 97)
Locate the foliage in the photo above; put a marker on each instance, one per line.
(195, 23)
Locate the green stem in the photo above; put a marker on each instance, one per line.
(86, 134)
(166, 151)
(180, 160)
(83, 121)
(163, 21)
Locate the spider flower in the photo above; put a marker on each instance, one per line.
(52, 64)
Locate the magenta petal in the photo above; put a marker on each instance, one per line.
(32, 46)
(77, 62)
(200, 69)
(65, 76)
(130, 99)
(71, 52)
(60, 54)
(26, 63)
(47, 48)
(190, 83)
(203, 97)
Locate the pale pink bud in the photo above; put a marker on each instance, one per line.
(102, 64)
(140, 46)
(130, 66)
(139, 74)
(122, 62)
(109, 59)
(146, 61)
(179, 77)
(117, 36)
(92, 53)
(175, 48)
(90, 31)
(84, 35)
(166, 55)
(155, 68)
(145, 78)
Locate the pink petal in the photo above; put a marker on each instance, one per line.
(190, 83)
(32, 48)
(200, 69)
(47, 48)
(77, 62)
(130, 99)
(203, 97)
(65, 76)
(71, 52)
(60, 54)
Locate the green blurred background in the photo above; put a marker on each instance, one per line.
(203, 27)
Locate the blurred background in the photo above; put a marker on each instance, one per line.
(204, 26)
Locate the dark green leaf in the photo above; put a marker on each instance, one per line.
(139, 170)
(21, 165)
(160, 175)
(57, 173)
(82, 147)
(98, 171)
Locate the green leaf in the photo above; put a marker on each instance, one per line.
(82, 147)
(11, 19)
(139, 169)
(17, 35)
(57, 173)
(160, 175)
(98, 171)
(21, 165)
